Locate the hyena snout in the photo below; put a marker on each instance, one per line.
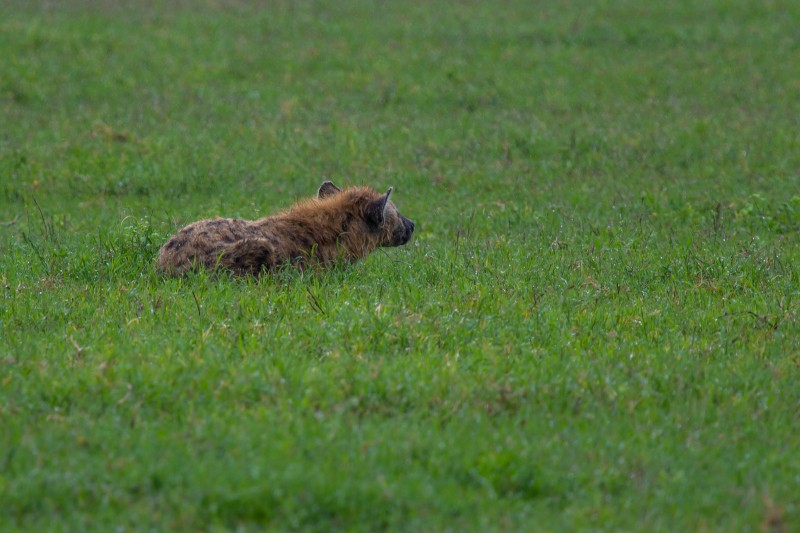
(403, 231)
(409, 227)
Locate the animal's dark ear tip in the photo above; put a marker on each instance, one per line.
(327, 189)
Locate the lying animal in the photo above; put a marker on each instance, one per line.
(337, 226)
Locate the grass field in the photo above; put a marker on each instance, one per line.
(597, 326)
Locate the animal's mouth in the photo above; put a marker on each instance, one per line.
(408, 226)
(402, 233)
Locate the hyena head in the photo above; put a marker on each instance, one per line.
(378, 216)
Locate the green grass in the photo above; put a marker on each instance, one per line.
(597, 326)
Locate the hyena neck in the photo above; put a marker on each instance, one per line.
(333, 225)
(325, 225)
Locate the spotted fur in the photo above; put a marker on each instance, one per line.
(337, 226)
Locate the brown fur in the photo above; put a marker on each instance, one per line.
(336, 226)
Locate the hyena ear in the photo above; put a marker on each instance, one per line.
(327, 189)
(377, 208)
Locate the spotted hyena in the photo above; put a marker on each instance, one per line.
(334, 227)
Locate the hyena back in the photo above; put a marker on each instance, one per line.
(336, 226)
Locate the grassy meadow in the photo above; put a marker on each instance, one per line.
(596, 327)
